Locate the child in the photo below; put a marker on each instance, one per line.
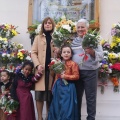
(64, 103)
(20, 91)
(5, 85)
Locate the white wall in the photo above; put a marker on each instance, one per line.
(15, 12)
(109, 14)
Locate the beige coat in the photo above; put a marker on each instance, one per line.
(38, 55)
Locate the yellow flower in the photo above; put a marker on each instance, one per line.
(74, 29)
(102, 42)
(19, 46)
(113, 44)
(117, 40)
(14, 32)
(69, 22)
(4, 39)
(20, 55)
(63, 21)
(105, 66)
(113, 25)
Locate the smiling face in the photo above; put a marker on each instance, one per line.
(27, 70)
(66, 53)
(48, 25)
(81, 29)
(4, 77)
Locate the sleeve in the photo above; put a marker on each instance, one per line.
(75, 73)
(34, 52)
(13, 89)
(36, 77)
(98, 54)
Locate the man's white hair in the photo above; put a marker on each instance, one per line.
(84, 21)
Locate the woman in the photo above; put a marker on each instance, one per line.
(42, 51)
(88, 69)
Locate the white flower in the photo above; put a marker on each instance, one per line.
(28, 58)
(38, 29)
(4, 54)
(10, 111)
(67, 27)
(110, 70)
(8, 55)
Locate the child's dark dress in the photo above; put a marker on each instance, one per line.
(21, 91)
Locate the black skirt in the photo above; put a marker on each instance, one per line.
(47, 94)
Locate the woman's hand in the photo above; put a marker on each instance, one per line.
(40, 69)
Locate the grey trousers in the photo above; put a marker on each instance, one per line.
(88, 83)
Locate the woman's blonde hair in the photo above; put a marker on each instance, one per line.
(44, 21)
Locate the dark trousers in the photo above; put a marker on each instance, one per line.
(88, 83)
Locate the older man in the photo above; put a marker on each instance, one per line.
(88, 69)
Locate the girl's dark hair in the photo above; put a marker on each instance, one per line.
(27, 63)
(64, 46)
(6, 71)
(44, 21)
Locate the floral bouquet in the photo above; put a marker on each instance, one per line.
(91, 40)
(104, 71)
(64, 32)
(58, 67)
(12, 52)
(113, 57)
(7, 104)
(115, 44)
(11, 107)
(105, 45)
(116, 30)
(33, 30)
(115, 75)
(7, 31)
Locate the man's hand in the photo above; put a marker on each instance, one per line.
(90, 51)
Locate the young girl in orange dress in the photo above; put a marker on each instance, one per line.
(64, 102)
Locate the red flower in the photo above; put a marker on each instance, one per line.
(116, 66)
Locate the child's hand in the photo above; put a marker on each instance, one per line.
(58, 76)
(5, 92)
(40, 69)
(62, 75)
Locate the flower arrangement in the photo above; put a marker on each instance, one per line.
(115, 32)
(112, 55)
(115, 76)
(64, 32)
(104, 71)
(8, 31)
(34, 29)
(12, 52)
